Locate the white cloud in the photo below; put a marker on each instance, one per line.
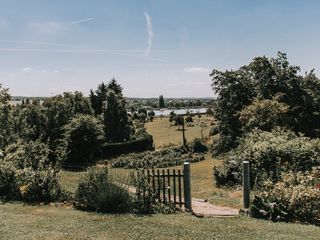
(150, 33)
(81, 21)
(197, 70)
(26, 69)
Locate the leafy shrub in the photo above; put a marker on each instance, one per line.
(31, 154)
(151, 159)
(270, 154)
(198, 146)
(39, 186)
(84, 135)
(97, 191)
(295, 198)
(8, 183)
(31, 171)
(264, 114)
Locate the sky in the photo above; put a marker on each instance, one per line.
(151, 47)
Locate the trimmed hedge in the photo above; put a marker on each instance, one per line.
(139, 145)
(157, 159)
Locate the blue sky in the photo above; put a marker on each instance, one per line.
(151, 47)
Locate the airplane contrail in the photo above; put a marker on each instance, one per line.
(150, 33)
(81, 21)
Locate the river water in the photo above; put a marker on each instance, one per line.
(166, 112)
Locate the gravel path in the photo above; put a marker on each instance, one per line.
(202, 208)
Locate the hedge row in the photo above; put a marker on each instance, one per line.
(139, 145)
(157, 159)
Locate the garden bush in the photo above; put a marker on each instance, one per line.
(270, 154)
(39, 186)
(198, 146)
(84, 136)
(296, 198)
(33, 176)
(97, 191)
(152, 159)
(8, 183)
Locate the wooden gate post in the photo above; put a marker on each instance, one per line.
(187, 186)
(246, 184)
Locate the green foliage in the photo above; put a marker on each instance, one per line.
(99, 192)
(98, 96)
(198, 146)
(189, 118)
(31, 122)
(59, 110)
(264, 114)
(297, 99)
(83, 135)
(172, 116)
(179, 121)
(143, 142)
(296, 198)
(161, 102)
(8, 183)
(6, 132)
(151, 115)
(39, 185)
(30, 170)
(234, 90)
(31, 154)
(115, 115)
(270, 154)
(163, 158)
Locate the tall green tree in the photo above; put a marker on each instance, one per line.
(6, 132)
(117, 128)
(161, 102)
(84, 135)
(30, 122)
(98, 96)
(265, 79)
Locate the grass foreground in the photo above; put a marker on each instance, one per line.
(20, 221)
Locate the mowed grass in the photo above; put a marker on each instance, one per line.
(166, 135)
(203, 186)
(20, 221)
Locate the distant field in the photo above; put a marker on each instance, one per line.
(19, 221)
(165, 135)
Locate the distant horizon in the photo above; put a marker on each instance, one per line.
(124, 96)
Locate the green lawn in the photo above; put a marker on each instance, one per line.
(166, 135)
(20, 221)
(202, 185)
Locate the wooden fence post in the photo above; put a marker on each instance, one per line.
(187, 186)
(246, 184)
